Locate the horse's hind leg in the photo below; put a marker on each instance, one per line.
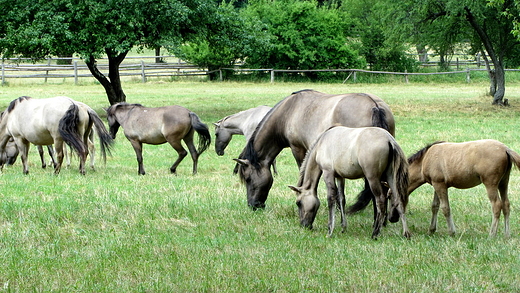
(496, 205)
(502, 188)
(177, 146)
(58, 144)
(380, 203)
(42, 158)
(188, 139)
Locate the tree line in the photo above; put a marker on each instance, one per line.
(278, 34)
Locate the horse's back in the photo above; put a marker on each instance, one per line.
(463, 165)
(310, 113)
(351, 152)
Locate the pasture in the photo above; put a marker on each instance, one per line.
(115, 231)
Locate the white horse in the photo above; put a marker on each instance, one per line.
(50, 121)
(241, 123)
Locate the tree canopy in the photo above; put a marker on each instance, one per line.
(95, 28)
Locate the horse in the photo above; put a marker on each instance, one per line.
(465, 165)
(157, 126)
(49, 121)
(296, 122)
(353, 153)
(241, 123)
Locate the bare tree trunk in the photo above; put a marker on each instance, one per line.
(112, 84)
(498, 97)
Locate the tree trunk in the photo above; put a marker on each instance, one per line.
(498, 97)
(112, 84)
(491, 74)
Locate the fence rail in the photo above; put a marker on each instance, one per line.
(168, 66)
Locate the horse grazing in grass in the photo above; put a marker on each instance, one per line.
(353, 153)
(50, 121)
(159, 125)
(241, 123)
(465, 165)
(296, 122)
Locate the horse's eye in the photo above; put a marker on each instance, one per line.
(299, 203)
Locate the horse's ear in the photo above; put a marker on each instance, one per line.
(216, 124)
(296, 189)
(242, 161)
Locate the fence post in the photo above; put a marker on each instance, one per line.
(220, 74)
(75, 72)
(47, 71)
(272, 75)
(355, 76)
(3, 73)
(143, 74)
(406, 75)
(468, 78)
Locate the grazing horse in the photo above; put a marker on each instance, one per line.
(49, 121)
(159, 125)
(241, 123)
(464, 165)
(10, 154)
(296, 122)
(353, 153)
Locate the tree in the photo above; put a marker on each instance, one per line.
(230, 38)
(302, 36)
(443, 24)
(96, 28)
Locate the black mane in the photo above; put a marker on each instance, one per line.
(16, 101)
(421, 152)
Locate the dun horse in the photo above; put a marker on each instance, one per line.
(465, 165)
(241, 123)
(49, 121)
(159, 125)
(296, 122)
(353, 153)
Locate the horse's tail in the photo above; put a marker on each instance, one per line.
(105, 139)
(514, 157)
(202, 130)
(68, 128)
(399, 182)
(379, 118)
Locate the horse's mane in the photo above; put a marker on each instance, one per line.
(112, 109)
(16, 101)
(418, 155)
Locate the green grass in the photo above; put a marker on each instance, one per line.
(114, 231)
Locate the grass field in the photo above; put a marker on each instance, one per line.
(114, 231)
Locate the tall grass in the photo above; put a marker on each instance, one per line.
(114, 231)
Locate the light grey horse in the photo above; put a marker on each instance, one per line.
(353, 153)
(241, 123)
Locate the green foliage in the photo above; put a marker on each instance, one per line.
(303, 36)
(230, 37)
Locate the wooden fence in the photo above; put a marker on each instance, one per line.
(170, 66)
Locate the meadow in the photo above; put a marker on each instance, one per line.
(114, 231)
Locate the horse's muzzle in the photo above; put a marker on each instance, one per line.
(257, 205)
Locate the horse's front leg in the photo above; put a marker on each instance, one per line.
(341, 203)
(138, 148)
(23, 148)
(332, 194)
(441, 192)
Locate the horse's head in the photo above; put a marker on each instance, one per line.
(113, 124)
(308, 205)
(258, 180)
(222, 138)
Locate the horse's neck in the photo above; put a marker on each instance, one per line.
(233, 125)
(310, 172)
(415, 175)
